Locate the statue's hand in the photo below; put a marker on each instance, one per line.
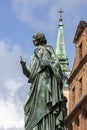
(22, 61)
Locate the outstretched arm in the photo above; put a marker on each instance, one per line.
(24, 67)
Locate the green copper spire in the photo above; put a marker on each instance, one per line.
(61, 50)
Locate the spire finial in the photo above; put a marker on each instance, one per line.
(60, 12)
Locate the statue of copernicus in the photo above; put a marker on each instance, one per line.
(43, 108)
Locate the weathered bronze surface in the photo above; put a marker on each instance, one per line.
(43, 108)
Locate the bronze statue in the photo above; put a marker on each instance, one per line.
(43, 108)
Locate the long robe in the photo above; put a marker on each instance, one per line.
(43, 109)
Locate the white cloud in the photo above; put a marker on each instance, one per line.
(10, 115)
(33, 12)
(41, 14)
(10, 67)
(12, 86)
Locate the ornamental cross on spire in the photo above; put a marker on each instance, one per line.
(60, 12)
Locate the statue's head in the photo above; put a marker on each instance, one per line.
(39, 39)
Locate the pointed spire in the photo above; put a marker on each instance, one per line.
(60, 45)
(61, 48)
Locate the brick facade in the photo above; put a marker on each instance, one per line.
(77, 118)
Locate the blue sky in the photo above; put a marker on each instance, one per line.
(19, 20)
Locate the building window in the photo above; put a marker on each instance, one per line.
(73, 96)
(77, 121)
(64, 106)
(85, 114)
(76, 125)
(70, 126)
(80, 51)
(80, 88)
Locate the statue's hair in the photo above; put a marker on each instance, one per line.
(40, 37)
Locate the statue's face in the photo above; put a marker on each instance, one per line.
(35, 41)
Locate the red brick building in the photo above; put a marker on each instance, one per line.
(77, 118)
